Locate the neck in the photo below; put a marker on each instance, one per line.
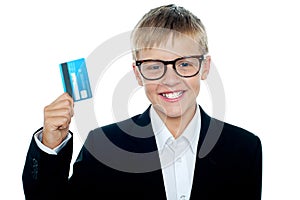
(176, 125)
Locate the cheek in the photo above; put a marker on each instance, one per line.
(194, 85)
(150, 90)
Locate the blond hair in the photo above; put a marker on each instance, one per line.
(156, 27)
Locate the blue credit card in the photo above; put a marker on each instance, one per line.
(75, 79)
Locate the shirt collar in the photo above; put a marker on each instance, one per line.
(163, 135)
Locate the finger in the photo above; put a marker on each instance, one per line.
(61, 112)
(64, 127)
(54, 123)
(62, 103)
(64, 96)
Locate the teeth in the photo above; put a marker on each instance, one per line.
(172, 95)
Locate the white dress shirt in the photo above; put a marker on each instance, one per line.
(38, 140)
(177, 156)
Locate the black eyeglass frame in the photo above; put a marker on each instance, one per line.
(138, 63)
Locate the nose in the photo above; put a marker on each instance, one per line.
(170, 78)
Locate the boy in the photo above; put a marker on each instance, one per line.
(169, 47)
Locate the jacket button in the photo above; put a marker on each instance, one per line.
(35, 168)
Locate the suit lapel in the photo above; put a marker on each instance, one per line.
(153, 180)
(205, 165)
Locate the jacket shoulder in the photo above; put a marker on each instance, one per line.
(134, 134)
(234, 132)
(236, 140)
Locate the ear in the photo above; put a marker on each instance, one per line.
(137, 74)
(205, 68)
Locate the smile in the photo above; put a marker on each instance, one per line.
(172, 95)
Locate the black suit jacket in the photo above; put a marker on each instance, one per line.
(120, 161)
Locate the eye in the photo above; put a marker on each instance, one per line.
(187, 63)
(152, 66)
(184, 64)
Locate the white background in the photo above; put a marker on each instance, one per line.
(254, 44)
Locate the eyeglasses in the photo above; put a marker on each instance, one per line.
(186, 67)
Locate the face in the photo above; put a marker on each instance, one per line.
(173, 96)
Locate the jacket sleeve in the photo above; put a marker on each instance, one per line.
(45, 176)
(257, 171)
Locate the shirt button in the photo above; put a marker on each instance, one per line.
(182, 197)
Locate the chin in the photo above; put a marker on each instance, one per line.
(173, 112)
